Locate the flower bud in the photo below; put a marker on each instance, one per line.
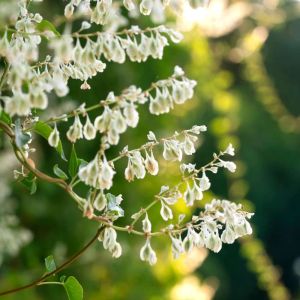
(146, 7)
(53, 138)
(89, 130)
(151, 163)
(146, 224)
(100, 201)
(166, 212)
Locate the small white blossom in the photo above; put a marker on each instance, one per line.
(75, 131)
(53, 138)
(151, 163)
(172, 150)
(146, 224)
(166, 212)
(89, 130)
(148, 254)
(229, 150)
(100, 201)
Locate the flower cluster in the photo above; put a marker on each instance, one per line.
(98, 173)
(120, 112)
(103, 9)
(72, 58)
(220, 222)
(27, 81)
(109, 240)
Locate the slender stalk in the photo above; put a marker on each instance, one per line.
(58, 269)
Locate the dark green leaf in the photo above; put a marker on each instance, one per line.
(45, 25)
(82, 162)
(73, 288)
(73, 162)
(59, 172)
(50, 263)
(29, 184)
(44, 130)
(4, 117)
(22, 138)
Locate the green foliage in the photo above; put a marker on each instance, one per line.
(50, 263)
(44, 130)
(73, 163)
(59, 172)
(4, 117)
(30, 183)
(46, 25)
(73, 288)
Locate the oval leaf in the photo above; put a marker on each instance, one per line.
(73, 163)
(44, 130)
(73, 288)
(50, 263)
(59, 172)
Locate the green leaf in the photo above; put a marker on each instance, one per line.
(30, 184)
(4, 117)
(45, 25)
(62, 278)
(59, 172)
(73, 162)
(82, 162)
(50, 263)
(44, 130)
(22, 138)
(73, 288)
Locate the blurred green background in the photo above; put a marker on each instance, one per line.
(245, 58)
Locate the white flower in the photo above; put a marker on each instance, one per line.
(116, 250)
(172, 150)
(177, 246)
(148, 254)
(204, 182)
(189, 196)
(151, 163)
(135, 167)
(109, 238)
(229, 150)
(165, 211)
(89, 130)
(75, 131)
(151, 136)
(129, 4)
(97, 173)
(102, 122)
(131, 115)
(228, 235)
(188, 145)
(53, 138)
(105, 176)
(146, 7)
(229, 165)
(146, 224)
(100, 201)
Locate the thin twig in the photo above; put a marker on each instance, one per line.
(58, 269)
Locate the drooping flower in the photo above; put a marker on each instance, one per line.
(53, 138)
(148, 254)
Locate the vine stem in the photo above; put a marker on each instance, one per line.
(60, 268)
